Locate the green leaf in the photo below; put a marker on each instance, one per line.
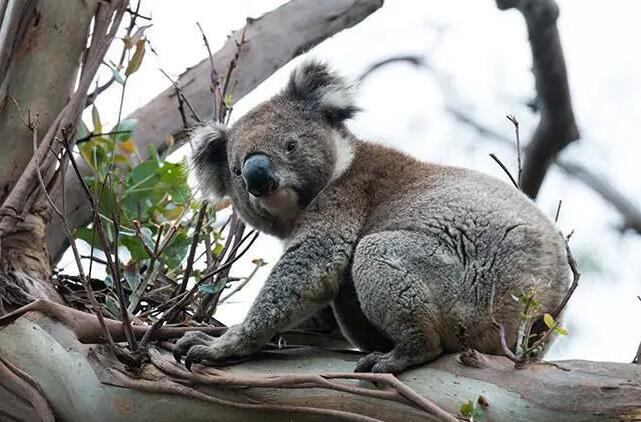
(115, 73)
(136, 60)
(213, 288)
(177, 250)
(229, 101)
(125, 126)
(111, 304)
(561, 331)
(218, 249)
(134, 246)
(478, 414)
(95, 155)
(153, 153)
(132, 277)
(95, 118)
(549, 321)
(467, 409)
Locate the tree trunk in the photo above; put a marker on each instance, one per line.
(41, 43)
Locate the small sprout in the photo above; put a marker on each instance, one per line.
(552, 325)
(229, 101)
(218, 249)
(474, 411)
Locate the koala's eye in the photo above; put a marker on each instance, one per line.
(236, 171)
(291, 146)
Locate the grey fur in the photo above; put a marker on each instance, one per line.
(407, 253)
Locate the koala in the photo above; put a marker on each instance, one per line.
(414, 258)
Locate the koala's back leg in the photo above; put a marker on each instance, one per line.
(390, 280)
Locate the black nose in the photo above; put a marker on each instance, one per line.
(259, 175)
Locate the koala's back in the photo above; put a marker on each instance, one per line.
(466, 239)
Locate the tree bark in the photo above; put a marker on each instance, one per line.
(267, 48)
(81, 385)
(40, 45)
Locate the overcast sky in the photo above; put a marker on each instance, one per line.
(480, 63)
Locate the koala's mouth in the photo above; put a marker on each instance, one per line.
(282, 201)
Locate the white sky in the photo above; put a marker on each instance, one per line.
(483, 60)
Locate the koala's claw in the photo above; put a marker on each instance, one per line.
(366, 363)
(384, 363)
(177, 355)
(188, 342)
(197, 354)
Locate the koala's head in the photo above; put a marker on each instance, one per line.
(276, 159)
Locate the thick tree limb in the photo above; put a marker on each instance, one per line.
(40, 41)
(27, 401)
(566, 391)
(557, 127)
(267, 47)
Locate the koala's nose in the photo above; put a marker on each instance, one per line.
(259, 175)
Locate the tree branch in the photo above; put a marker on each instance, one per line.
(557, 127)
(267, 49)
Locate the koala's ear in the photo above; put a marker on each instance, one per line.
(208, 160)
(314, 82)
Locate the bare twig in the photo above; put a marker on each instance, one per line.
(182, 100)
(395, 390)
(85, 283)
(576, 275)
(415, 60)
(637, 357)
(502, 342)
(105, 244)
(194, 244)
(240, 285)
(213, 74)
(514, 182)
(558, 211)
(181, 304)
(518, 149)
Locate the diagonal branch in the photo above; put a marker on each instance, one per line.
(268, 48)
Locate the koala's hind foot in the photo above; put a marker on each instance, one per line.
(396, 360)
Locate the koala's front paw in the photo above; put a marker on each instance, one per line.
(196, 347)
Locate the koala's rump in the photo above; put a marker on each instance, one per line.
(464, 237)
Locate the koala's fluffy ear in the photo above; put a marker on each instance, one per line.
(314, 82)
(208, 160)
